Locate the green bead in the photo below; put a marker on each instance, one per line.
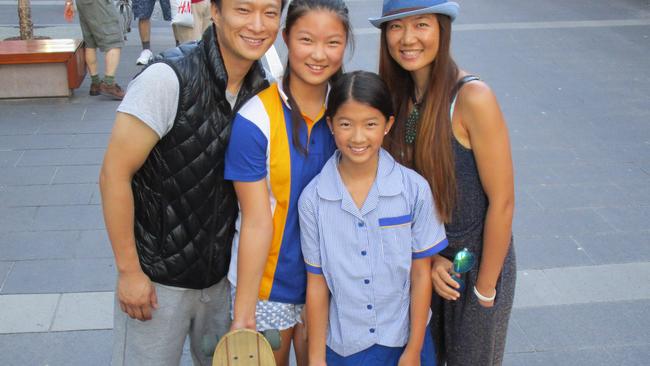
(464, 261)
(411, 125)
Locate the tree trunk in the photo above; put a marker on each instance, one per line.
(25, 19)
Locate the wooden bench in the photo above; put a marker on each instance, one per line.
(41, 68)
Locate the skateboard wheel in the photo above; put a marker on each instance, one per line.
(208, 344)
(273, 336)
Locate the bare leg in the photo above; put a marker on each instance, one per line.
(144, 27)
(112, 60)
(282, 354)
(178, 37)
(91, 60)
(300, 344)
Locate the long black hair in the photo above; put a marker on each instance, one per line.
(298, 9)
(363, 87)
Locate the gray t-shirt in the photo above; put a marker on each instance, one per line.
(152, 97)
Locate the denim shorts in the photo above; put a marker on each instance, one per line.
(142, 9)
(273, 315)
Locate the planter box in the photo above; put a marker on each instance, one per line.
(41, 68)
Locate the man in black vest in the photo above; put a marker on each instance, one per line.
(169, 212)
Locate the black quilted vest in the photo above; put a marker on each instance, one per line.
(185, 211)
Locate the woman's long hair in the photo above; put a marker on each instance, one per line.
(431, 156)
(298, 9)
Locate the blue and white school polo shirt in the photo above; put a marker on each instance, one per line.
(365, 254)
(261, 147)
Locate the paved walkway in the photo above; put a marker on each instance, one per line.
(573, 79)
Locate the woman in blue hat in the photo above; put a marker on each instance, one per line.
(450, 129)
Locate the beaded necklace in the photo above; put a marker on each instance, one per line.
(412, 122)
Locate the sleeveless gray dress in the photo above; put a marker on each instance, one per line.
(466, 333)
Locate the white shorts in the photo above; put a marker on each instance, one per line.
(273, 315)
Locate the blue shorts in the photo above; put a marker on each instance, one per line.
(142, 9)
(383, 356)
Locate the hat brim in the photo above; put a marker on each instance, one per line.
(450, 9)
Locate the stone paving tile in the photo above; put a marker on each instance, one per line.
(544, 156)
(517, 340)
(616, 247)
(17, 218)
(22, 176)
(585, 325)
(57, 349)
(612, 154)
(27, 313)
(11, 128)
(578, 357)
(62, 157)
(630, 356)
(548, 251)
(524, 201)
(61, 275)
(35, 141)
(600, 173)
(610, 282)
(50, 195)
(93, 244)
(30, 245)
(84, 311)
(77, 174)
(9, 158)
(638, 193)
(96, 198)
(559, 222)
(52, 110)
(90, 140)
(5, 267)
(68, 218)
(533, 289)
(627, 218)
(80, 127)
(565, 196)
(533, 175)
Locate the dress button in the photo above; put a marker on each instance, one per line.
(360, 224)
(366, 281)
(363, 252)
(369, 307)
(372, 330)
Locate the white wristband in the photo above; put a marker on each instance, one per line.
(484, 298)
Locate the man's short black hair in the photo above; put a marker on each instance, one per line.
(218, 4)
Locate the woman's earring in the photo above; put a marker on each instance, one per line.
(385, 133)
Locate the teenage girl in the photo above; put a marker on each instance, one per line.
(279, 142)
(368, 231)
(450, 129)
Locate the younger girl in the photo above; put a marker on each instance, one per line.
(279, 142)
(368, 232)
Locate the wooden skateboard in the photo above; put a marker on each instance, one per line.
(245, 347)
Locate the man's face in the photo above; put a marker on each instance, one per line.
(246, 28)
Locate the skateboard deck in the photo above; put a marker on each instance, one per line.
(243, 347)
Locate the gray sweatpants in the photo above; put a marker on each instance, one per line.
(181, 313)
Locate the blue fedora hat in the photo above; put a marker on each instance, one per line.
(397, 9)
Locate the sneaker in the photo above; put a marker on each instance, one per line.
(94, 89)
(113, 91)
(145, 57)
